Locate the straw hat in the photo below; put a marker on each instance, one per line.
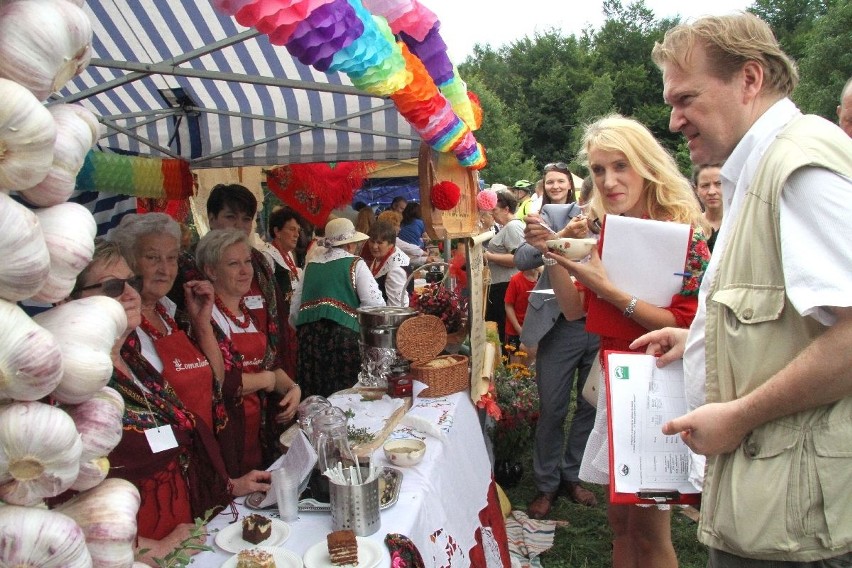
(341, 231)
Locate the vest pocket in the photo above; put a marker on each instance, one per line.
(751, 304)
(833, 463)
(756, 487)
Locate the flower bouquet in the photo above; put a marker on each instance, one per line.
(512, 401)
(438, 300)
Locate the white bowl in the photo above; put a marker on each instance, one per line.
(404, 452)
(572, 249)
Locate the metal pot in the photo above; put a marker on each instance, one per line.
(379, 324)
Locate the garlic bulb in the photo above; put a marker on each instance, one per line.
(86, 330)
(43, 44)
(38, 537)
(39, 452)
(30, 357)
(92, 472)
(107, 515)
(74, 137)
(98, 421)
(26, 261)
(27, 132)
(69, 233)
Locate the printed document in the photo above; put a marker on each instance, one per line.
(642, 398)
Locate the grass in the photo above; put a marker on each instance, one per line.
(585, 543)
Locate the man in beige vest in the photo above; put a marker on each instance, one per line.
(768, 359)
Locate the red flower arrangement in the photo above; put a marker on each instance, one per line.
(445, 195)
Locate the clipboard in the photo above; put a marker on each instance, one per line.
(648, 254)
(634, 435)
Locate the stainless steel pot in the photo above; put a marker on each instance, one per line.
(379, 324)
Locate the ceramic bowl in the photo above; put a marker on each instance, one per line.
(404, 452)
(572, 249)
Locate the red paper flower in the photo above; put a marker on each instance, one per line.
(445, 195)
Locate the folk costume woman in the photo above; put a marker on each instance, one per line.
(179, 472)
(387, 263)
(336, 284)
(225, 257)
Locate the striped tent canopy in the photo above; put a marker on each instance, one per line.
(177, 80)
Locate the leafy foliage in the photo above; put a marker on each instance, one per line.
(546, 88)
(179, 557)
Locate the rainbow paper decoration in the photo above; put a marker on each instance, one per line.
(358, 40)
(135, 175)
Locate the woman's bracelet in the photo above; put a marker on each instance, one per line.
(548, 261)
(631, 307)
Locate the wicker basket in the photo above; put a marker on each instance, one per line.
(420, 339)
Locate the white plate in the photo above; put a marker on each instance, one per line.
(283, 558)
(369, 554)
(230, 539)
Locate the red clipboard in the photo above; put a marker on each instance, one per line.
(651, 496)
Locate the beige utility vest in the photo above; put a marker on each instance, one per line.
(786, 492)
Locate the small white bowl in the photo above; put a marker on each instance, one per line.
(572, 249)
(404, 452)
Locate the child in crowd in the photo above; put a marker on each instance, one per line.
(516, 299)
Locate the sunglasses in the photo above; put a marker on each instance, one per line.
(114, 287)
(556, 166)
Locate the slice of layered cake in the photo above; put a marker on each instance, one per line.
(255, 558)
(256, 528)
(343, 548)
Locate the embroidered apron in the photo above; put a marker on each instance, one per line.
(189, 372)
(252, 346)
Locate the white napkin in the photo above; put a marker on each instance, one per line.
(434, 416)
(368, 414)
(300, 459)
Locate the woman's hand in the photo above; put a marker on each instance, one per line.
(254, 480)
(161, 548)
(200, 298)
(289, 405)
(536, 232)
(590, 274)
(577, 228)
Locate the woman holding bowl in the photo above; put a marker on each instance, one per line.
(634, 176)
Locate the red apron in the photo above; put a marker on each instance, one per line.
(165, 503)
(189, 372)
(252, 346)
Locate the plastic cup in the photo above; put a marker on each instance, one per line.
(286, 487)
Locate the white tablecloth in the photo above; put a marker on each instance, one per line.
(439, 500)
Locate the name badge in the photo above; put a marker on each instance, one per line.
(254, 302)
(161, 439)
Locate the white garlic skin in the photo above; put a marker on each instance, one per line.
(39, 452)
(86, 330)
(43, 44)
(107, 515)
(69, 233)
(31, 536)
(27, 134)
(91, 474)
(26, 260)
(75, 136)
(99, 422)
(30, 357)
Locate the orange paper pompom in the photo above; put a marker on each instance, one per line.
(445, 195)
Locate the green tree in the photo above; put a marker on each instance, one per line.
(502, 140)
(827, 62)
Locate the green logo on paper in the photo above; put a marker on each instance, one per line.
(622, 372)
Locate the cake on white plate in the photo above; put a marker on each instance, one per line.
(342, 548)
(255, 558)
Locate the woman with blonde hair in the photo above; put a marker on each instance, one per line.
(634, 176)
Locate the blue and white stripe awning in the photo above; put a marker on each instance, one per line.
(176, 79)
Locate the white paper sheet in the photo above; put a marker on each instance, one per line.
(645, 258)
(643, 398)
(300, 459)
